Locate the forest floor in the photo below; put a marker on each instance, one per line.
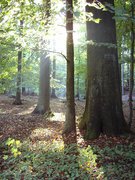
(114, 155)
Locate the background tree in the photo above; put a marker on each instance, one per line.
(13, 16)
(131, 84)
(103, 110)
(43, 105)
(125, 38)
(80, 60)
(53, 92)
(19, 75)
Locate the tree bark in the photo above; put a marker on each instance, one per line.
(103, 110)
(70, 109)
(43, 105)
(19, 68)
(131, 81)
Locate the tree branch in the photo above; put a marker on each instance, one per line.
(56, 52)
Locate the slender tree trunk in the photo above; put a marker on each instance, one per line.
(128, 75)
(78, 77)
(70, 109)
(122, 63)
(78, 89)
(131, 81)
(23, 91)
(19, 76)
(103, 110)
(122, 78)
(53, 93)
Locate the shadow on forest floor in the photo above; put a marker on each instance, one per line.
(46, 154)
(19, 122)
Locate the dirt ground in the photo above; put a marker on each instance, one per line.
(19, 122)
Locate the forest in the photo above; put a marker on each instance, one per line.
(67, 95)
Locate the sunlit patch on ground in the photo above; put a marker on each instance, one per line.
(44, 145)
(27, 111)
(2, 111)
(41, 133)
(58, 117)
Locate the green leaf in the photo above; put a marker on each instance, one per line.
(5, 157)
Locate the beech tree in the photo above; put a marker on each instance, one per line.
(70, 109)
(19, 68)
(103, 110)
(43, 105)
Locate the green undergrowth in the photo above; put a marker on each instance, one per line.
(37, 161)
(117, 162)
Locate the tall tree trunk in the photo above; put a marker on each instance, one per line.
(19, 68)
(43, 105)
(103, 110)
(131, 81)
(122, 63)
(70, 109)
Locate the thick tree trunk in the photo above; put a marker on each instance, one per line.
(43, 105)
(103, 110)
(70, 110)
